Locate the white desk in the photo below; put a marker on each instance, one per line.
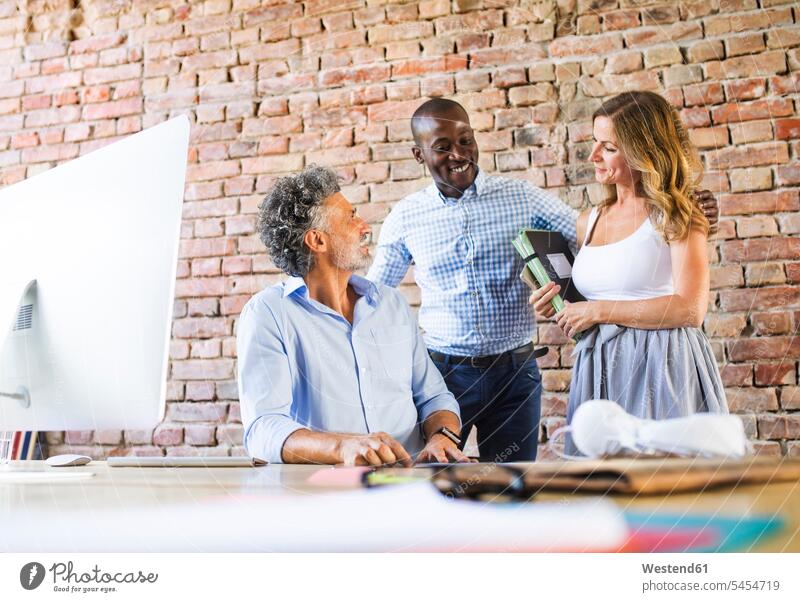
(157, 490)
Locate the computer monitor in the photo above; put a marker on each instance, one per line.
(89, 257)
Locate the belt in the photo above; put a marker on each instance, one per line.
(526, 351)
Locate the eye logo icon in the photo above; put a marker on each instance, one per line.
(31, 575)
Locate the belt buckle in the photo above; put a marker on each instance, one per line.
(484, 361)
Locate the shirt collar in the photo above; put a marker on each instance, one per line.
(362, 286)
(475, 189)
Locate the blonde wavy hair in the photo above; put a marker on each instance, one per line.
(655, 143)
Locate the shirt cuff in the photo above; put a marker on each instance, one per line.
(266, 436)
(444, 401)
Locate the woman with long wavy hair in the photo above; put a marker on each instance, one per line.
(643, 268)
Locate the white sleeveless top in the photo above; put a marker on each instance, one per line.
(636, 267)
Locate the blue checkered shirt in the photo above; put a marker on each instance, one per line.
(473, 301)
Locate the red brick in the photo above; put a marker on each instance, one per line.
(779, 426)
(232, 305)
(703, 94)
(767, 63)
(620, 19)
(202, 369)
(207, 247)
(751, 131)
(198, 411)
(714, 137)
(41, 101)
(790, 398)
(96, 43)
(663, 35)
(166, 434)
(45, 117)
(695, 117)
(762, 348)
(529, 95)
(392, 110)
(199, 287)
(771, 323)
(759, 298)
(580, 46)
(58, 152)
(237, 265)
(747, 44)
(745, 89)
(736, 375)
(759, 274)
(759, 202)
(751, 399)
(484, 20)
(78, 437)
(206, 266)
(782, 373)
(102, 75)
(783, 37)
(200, 434)
(753, 227)
(781, 86)
(116, 108)
(765, 153)
(760, 109)
(786, 175)
(212, 170)
(357, 75)
(25, 140)
(787, 128)
(67, 97)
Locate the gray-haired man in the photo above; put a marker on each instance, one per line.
(332, 368)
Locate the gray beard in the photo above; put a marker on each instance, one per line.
(351, 260)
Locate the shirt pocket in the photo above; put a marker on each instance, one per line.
(394, 351)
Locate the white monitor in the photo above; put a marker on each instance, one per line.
(89, 256)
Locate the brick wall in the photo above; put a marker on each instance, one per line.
(273, 86)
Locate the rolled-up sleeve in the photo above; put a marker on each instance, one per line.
(428, 388)
(392, 257)
(551, 213)
(265, 383)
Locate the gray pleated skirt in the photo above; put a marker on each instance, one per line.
(655, 374)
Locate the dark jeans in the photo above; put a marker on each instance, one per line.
(504, 404)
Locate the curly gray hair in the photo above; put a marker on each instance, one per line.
(291, 208)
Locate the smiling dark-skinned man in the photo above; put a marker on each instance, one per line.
(474, 307)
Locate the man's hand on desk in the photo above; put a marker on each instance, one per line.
(375, 449)
(443, 450)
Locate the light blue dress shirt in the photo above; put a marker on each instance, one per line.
(302, 365)
(473, 301)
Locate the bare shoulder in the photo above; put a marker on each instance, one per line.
(580, 225)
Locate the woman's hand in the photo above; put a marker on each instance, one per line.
(577, 317)
(541, 300)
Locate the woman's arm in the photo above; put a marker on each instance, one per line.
(687, 306)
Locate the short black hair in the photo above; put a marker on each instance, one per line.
(291, 208)
(433, 107)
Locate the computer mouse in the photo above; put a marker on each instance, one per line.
(68, 460)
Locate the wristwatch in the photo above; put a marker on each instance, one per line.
(449, 434)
